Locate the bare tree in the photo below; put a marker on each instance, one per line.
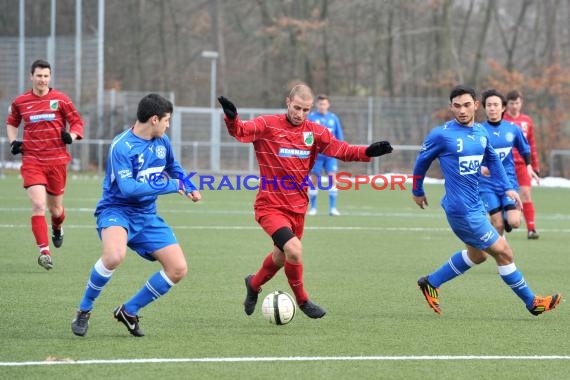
(511, 45)
(481, 44)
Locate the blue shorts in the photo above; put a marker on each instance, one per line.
(474, 229)
(146, 233)
(494, 202)
(328, 163)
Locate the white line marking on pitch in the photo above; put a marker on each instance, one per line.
(68, 361)
(311, 228)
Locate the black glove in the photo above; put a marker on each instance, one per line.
(229, 108)
(66, 137)
(379, 148)
(16, 147)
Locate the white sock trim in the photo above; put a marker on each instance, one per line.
(466, 258)
(505, 270)
(313, 193)
(100, 268)
(169, 281)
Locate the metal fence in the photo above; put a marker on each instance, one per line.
(403, 121)
(201, 142)
(559, 163)
(89, 156)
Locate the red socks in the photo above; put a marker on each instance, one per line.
(528, 211)
(265, 273)
(56, 222)
(294, 273)
(40, 231)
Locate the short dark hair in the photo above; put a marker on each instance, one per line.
(151, 105)
(513, 95)
(462, 90)
(492, 92)
(322, 97)
(42, 64)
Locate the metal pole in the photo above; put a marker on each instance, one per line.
(100, 158)
(215, 119)
(369, 135)
(176, 133)
(100, 64)
(21, 46)
(213, 83)
(51, 41)
(112, 109)
(78, 47)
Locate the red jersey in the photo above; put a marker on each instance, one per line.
(526, 125)
(286, 153)
(44, 118)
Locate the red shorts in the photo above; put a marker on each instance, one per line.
(272, 220)
(522, 175)
(52, 177)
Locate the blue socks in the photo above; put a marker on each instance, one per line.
(457, 264)
(313, 197)
(333, 194)
(514, 278)
(157, 285)
(99, 277)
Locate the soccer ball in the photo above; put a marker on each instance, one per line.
(278, 308)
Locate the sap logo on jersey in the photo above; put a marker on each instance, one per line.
(503, 152)
(470, 164)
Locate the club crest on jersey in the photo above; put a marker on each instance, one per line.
(524, 126)
(308, 138)
(53, 104)
(483, 141)
(510, 137)
(160, 152)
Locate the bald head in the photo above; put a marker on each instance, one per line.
(299, 103)
(302, 91)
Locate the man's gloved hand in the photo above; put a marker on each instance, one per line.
(379, 148)
(229, 108)
(66, 137)
(16, 147)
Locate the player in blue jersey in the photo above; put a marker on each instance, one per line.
(461, 145)
(140, 167)
(503, 136)
(327, 119)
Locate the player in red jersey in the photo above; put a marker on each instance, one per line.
(286, 146)
(44, 112)
(513, 114)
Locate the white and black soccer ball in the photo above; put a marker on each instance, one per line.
(279, 308)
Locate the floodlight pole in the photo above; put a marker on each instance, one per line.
(215, 138)
(21, 44)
